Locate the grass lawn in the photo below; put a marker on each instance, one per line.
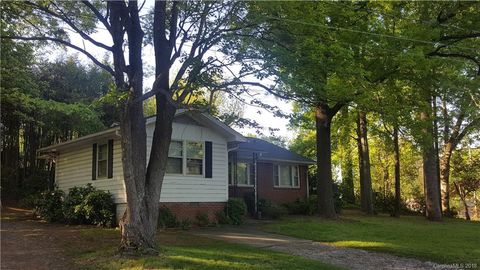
(450, 241)
(96, 249)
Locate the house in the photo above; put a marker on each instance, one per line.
(197, 178)
(261, 170)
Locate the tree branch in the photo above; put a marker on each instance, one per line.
(65, 19)
(99, 15)
(457, 55)
(68, 44)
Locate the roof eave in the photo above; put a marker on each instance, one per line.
(84, 139)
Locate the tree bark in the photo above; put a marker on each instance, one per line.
(137, 233)
(347, 176)
(366, 196)
(144, 183)
(326, 205)
(396, 155)
(445, 176)
(430, 168)
(435, 145)
(462, 196)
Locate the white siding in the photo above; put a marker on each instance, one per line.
(74, 168)
(178, 188)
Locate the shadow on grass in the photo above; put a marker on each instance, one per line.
(179, 250)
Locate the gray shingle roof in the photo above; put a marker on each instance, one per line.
(268, 151)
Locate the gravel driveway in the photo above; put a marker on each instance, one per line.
(344, 257)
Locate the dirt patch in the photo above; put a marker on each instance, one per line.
(28, 243)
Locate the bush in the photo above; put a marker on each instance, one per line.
(185, 224)
(166, 219)
(49, 205)
(384, 203)
(223, 218)
(271, 210)
(202, 219)
(303, 207)
(72, 210)
(82, 205)
(236, 209)
(98, 208)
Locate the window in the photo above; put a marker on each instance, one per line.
(244, 174)
(102, 161)
(185, 158)
(175, 158)
(286, 176)
(194, 158)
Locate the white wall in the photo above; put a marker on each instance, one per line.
(74, 168)
(178, 188)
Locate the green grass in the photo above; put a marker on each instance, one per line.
(97, 249)
(450, 241)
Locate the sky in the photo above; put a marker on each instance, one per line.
(265, 118)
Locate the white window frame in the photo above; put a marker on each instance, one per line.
(249, 174)
(98, 160)
(277, 168)
(184, 159)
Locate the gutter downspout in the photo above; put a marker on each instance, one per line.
(255, 187)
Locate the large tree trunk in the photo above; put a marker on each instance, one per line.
(366, 196)
(347, 177)
(430, 168)
(135, 225)
(326, 205)
(396, 155)
(435, 145)
(445, 176)
(144, 183)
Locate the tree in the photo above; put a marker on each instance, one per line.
(29, 121)
(366, 196)
(310, 66)
(466, 175)
(180, 32)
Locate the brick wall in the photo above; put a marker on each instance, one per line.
(267, 191)
(191, 209)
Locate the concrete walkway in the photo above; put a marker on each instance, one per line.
(344, 257)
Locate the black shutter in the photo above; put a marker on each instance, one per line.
(110, 159)
(94, 161)
(208, 159)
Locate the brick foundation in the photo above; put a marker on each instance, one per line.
(190, 210)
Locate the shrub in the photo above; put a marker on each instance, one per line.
(185, 224)
(49, 205)
(72, 209)
(271, 210)
(82, 205)
(166, 219)
(236, 210)
(384, 203)
(98, 208)
(202, 219)
(303, 207)
(223, 218)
